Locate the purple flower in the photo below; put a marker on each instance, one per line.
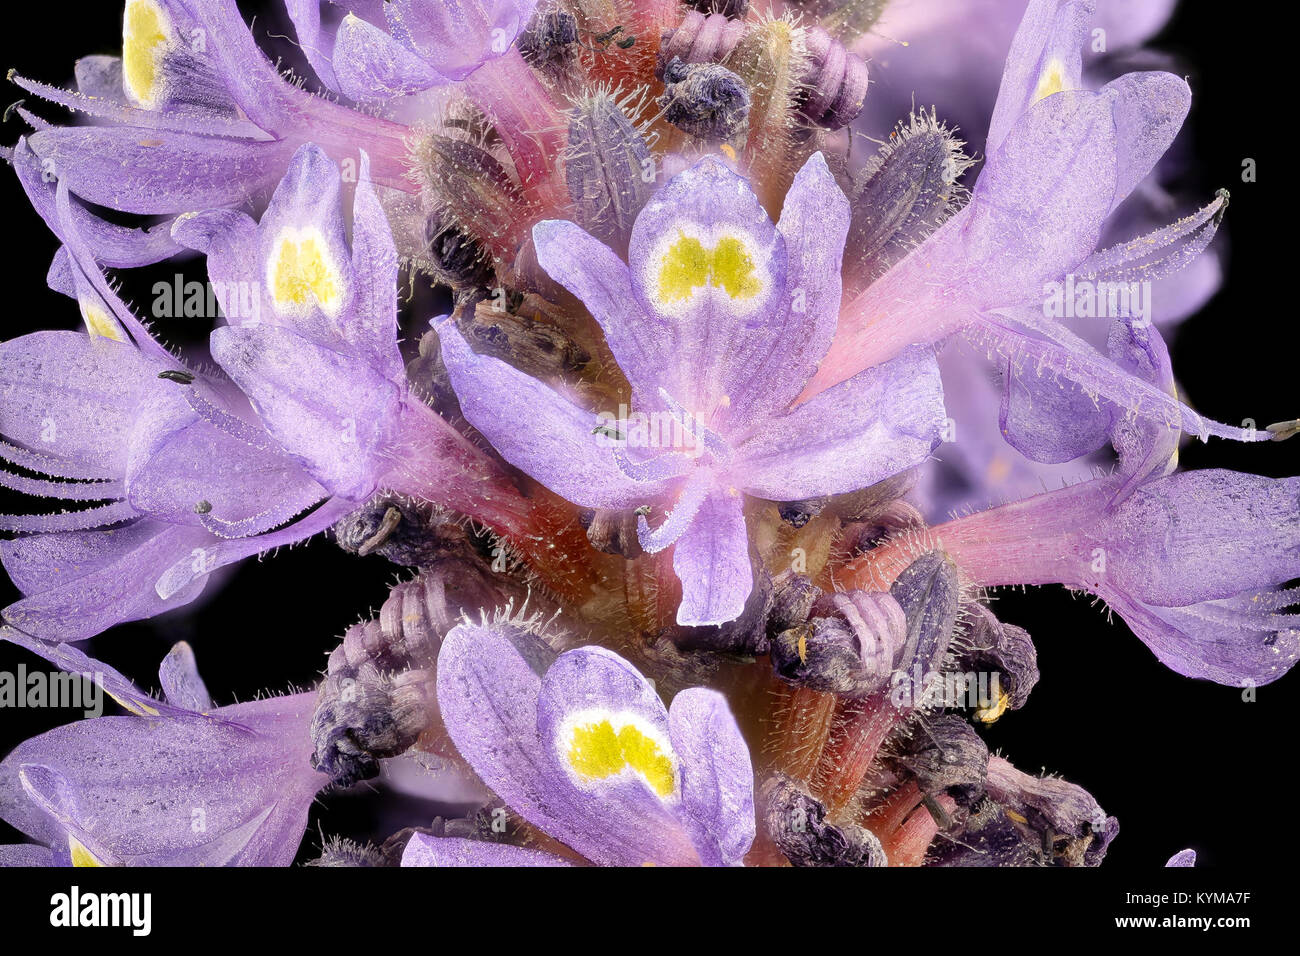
(193, 116)
(1194, 562)
(188, 479)
(1061, 159)
(378, 50)
(1182, 858)
(317, 354)
(718, 321)
(176, 783)
(582, 747)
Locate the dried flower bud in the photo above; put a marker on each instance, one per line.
(735, 9)
(453, 258)
(1005, 650)
(538, 348)
(430, 380)
(399, 530)
(613, 532)
(945, 754)
(550, 39)
(360, 719)
(908, 189)
(468, 188)
(796, 822)
(835, 82)
(699, 39)
(929, 594)
(1026, 820)
(799, 513)
(608, 168)
(848, 647)
(705, 100)
(793, 595)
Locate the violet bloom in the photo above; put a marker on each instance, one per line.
(376, 50)
(176, 783)
(1182, 858)
(582, 747)
(1154, 544)
(718, 320)
(317, 351)
(1061, 159)
(194, 116)
(187, 478)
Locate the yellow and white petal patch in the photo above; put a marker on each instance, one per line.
(99, 323)
(301, 272)
(687, 264)
(1051, 80)
(80, 855)
(146, 35)
(597, 746)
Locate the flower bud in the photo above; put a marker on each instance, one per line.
(705, 100)
(835, 82)
(904, 193)
(699, 39)
(536, 347)
(1005, 650)
(360, 719)
(550, 40)
(945, 754)
(608, 168)
(796, 822)
(848, 647)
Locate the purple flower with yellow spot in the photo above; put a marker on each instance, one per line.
(177, 782)
(718, 320)
(581, 746)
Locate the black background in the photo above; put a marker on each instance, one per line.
(1180, 762)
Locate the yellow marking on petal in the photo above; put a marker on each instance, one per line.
(597, 751)
(144, 37)
(300, 270)
(1015, 816)
(728, 152)
(989, 714)
(140, 710)
(1051, 81)
(81, 856)
(687, 266)
(100, 324)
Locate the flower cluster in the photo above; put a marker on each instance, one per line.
(669, 464)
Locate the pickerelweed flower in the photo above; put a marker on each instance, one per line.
(583, 748)
(664, 462)
(177, 782)
(718, 321)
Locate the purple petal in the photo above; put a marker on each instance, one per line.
(424, 850)
(537, 430)
(371, 65)
(606, 732)
(1045, 58)
(1182, 858)
(710, 269)
(1170, 542)
(878, 423)
(77, 584)
(328, 410)
(717, 776)
(778, 363)
(180, 790)
(155, 171)
(711, 560)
